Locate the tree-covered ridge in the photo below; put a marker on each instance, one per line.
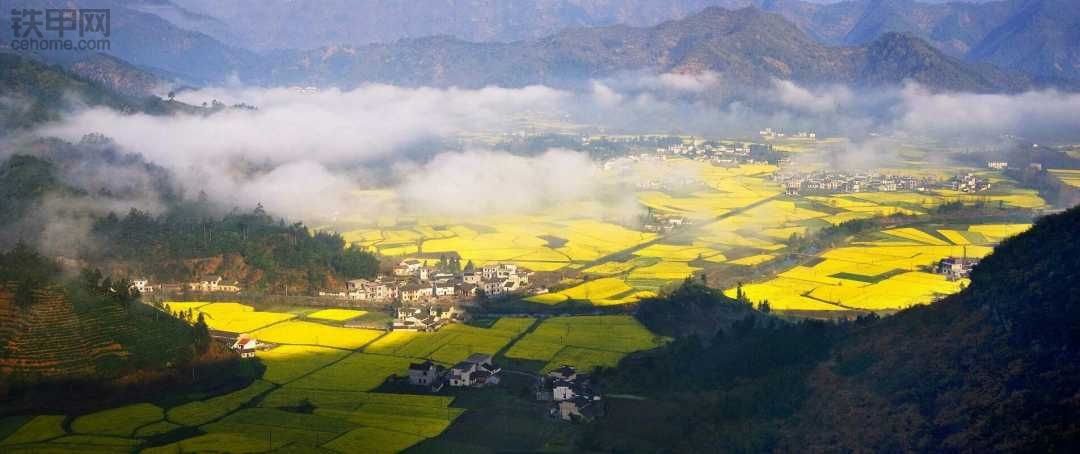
(993, 368)
(37, 92)
(187, 240)
(268, 250)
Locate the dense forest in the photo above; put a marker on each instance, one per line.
(993, 368)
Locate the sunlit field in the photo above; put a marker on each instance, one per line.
(740, 218)
(336, 371)
(584, 342)
(889, 270)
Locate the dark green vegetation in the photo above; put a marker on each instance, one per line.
(993, 368)
(36, 92)
(252, 248)
(82, 342)
(186, 240)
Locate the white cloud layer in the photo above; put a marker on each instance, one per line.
(306, 155)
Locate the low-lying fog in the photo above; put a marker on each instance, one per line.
(304, 155)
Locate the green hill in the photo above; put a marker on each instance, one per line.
(993, 368)
(37, 92)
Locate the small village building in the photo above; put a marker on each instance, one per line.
(214, 284)
(413, 292)
(246, 346)
(428, 374)
(408, 267)
(444, 288)
(562, 390)
(476, 370)
(142, 285)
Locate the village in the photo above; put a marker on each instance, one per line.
(415, 281)
(835, 181)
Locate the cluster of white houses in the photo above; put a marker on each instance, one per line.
(475, 371)
(414, 281)
(205, 284)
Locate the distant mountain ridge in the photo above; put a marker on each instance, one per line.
(1035, 36)
(1039, 37)
(745, 47)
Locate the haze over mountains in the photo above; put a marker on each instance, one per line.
(990, 46)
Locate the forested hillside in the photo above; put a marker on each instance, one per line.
(993, 368)
(183, 240)
(36, 92)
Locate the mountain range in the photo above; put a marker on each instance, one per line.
(746, 47)
(1036, 36)
(993, 46)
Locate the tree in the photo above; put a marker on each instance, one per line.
(202, 335)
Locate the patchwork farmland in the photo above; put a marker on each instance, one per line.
(323, 387)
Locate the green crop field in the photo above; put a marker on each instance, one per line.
(39, 428)
(121, 421)
(286, 363)
(584, 342)
(200, 412)
(367, 439)
(357, 372)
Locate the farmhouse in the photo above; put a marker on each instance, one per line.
(444, 288)
(408, 267)
(427, 374)
(246, 345)
(956, 267)
(415, 291)
(476, 370)
(142, 285)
